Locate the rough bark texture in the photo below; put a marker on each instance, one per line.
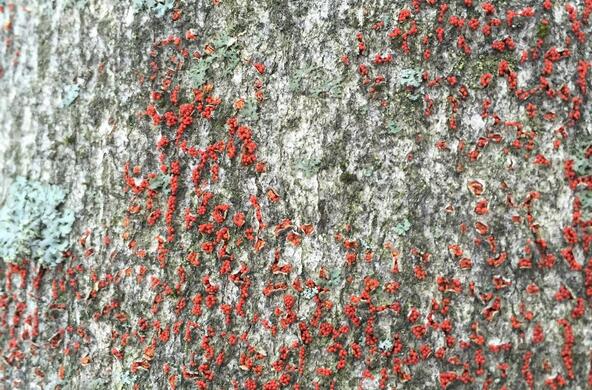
(428, 229)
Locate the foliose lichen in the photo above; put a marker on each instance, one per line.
(158, 7)
(32, 225)
(71, 93)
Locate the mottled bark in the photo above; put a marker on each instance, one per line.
(338, 161)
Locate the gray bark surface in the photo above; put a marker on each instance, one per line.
(337, 160)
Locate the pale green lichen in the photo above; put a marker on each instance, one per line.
(385, 345)
(393, 127)
(583, 164)
(79, 4)
(301, 74)
(197, 73)
(314, 80)
(249, 111)
(32, 225)
(309, 166)
(335, 277)
(410, 77)
(403, 227)
(161, 181)
(226, 55)
(158, 7)
(71, 93)
(310, 292)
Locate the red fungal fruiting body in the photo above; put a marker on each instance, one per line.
(260, 68)
(485, 79)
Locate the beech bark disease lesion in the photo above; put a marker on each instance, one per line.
(268, 195)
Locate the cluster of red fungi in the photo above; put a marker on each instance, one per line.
(225, 308)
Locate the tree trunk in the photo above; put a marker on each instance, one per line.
(271, 193)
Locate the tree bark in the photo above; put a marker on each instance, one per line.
(344, 181)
